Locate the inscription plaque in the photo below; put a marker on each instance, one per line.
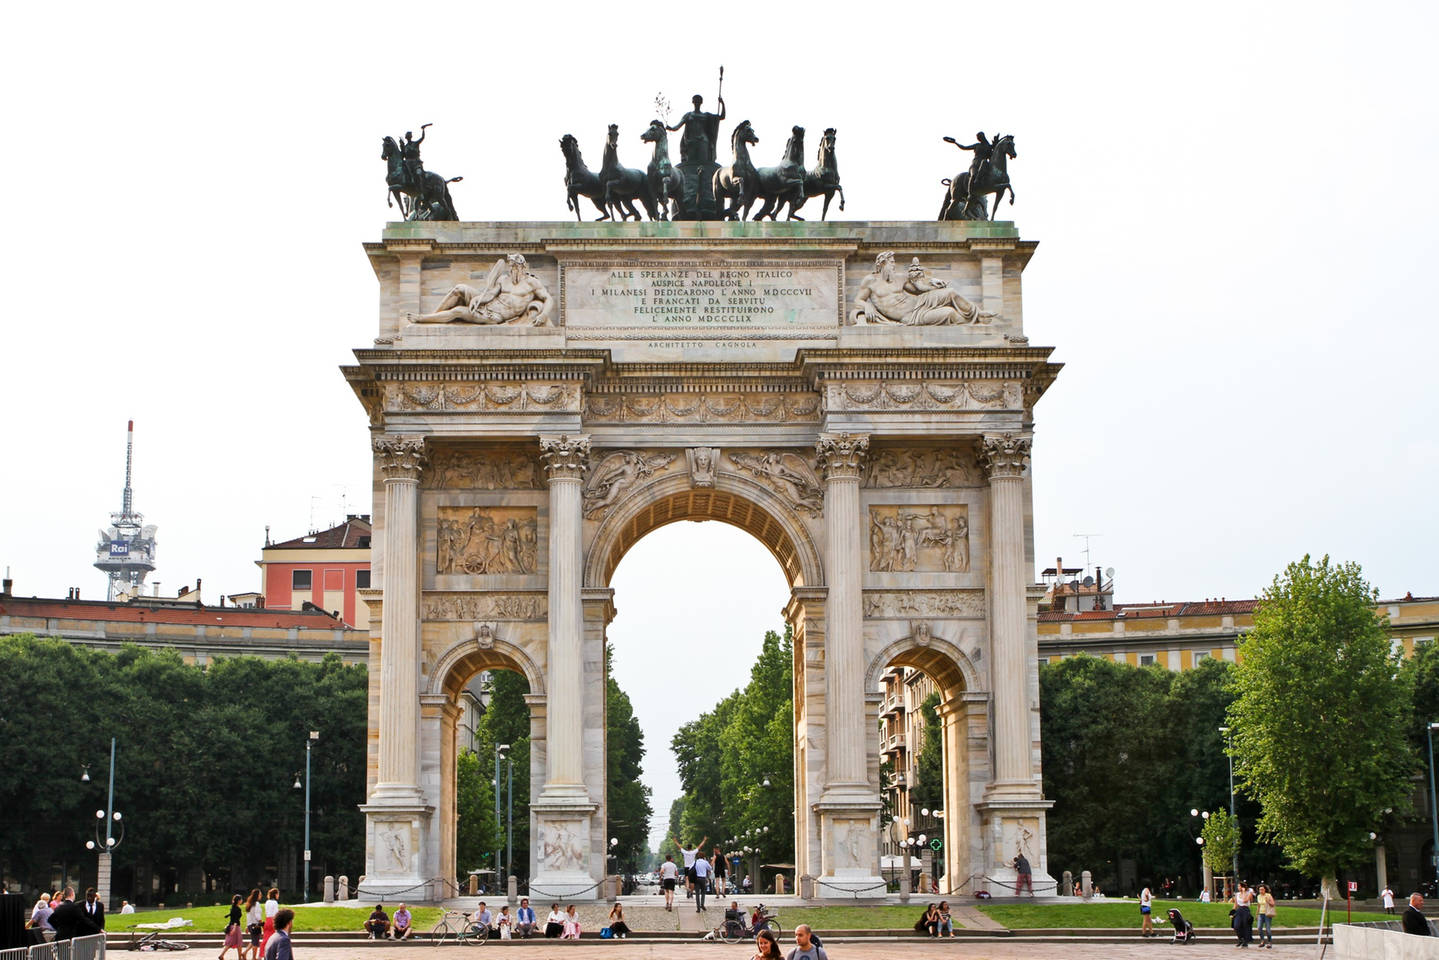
(660, 294)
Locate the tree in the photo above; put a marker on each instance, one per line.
(475, 833)
(627, 797)
(1221, 841)
(506, 720)
(928, 790)
(1320, 696)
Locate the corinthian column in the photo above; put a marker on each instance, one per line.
(401, 458)
(841, 458)
(1005, 458)
(565, 460)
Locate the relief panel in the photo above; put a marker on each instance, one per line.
(486, 540)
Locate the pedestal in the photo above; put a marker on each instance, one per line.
(395, 837)
(562, 858)
(698, 200)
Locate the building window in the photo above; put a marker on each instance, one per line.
(1200, 656)
(1146, 659)
(299, 579)
(362, 579)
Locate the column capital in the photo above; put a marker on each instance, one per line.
(565, 457)
(1005, 455)
(841, 455)
(401, 457)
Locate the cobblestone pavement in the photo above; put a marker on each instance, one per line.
(908, 949)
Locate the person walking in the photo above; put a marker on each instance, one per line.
(720, 868)
(1243, 916)
(1388, 897)
(668, 874)
(766, 946)
(68, 919)
(254, 922)
(232, 930)
(804, 946)
(1023, 875)
(1267, 911)
(1413, 920)
(687, 855)
(272, 909)
(278, 947)
(94, 909)
(1146, 913)
(702, 880)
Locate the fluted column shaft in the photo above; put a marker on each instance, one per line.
(1005, 458)
(401, 459)
(565, 460)
(841, 457)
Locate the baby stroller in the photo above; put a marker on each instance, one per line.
(1183, 929)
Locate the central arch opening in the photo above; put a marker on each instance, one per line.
(701, 645)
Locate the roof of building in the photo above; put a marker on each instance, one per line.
(141, 612)
(354, 533)
(1184, 608)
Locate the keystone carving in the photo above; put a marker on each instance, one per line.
(703, 461)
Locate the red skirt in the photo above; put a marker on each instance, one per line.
(232, 936)
(269, 930)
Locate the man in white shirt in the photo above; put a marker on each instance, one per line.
(689, 861)
(126, 906)
(668, 873)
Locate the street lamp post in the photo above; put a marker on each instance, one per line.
(1433, 800)
(1232, 814)
(502, 752)
(305, 883)
(111, 816)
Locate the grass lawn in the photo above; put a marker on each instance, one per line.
(307, 919)
(853, 918)
(1125, 913)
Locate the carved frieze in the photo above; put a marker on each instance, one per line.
(484, 397)
(786, 473)
(930, 395)
(484, 468)
(562, 846)
(703, 408)
(932, 538)
(486, 540)
(484, 606)
(618, 472)
(903, 604)
(921, 467)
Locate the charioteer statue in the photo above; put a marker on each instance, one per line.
(697, 158)
(988, 173)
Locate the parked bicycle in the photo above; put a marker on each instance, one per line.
(456, 926)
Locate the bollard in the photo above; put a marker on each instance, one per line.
(1086, 884)
(343, 891)
(512, 890)
(806, 886)
(779, 885)
(329, 889)
(474, 884)
(1068, 884)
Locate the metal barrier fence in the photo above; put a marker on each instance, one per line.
(80, 948)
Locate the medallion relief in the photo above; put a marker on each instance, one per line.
(484, 606)
(484, 468)
(787, 474)
(921, 467)
(903, 604)
(935, 395)
(617, 473)
(484, 397)
(486, 540)
(924, 538)
(703, 408)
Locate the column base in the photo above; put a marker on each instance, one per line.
(394, 846)
(564, 863)
(849, 856)
(1013, 825)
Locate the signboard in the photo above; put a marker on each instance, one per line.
(1353, 887)
(119, 548)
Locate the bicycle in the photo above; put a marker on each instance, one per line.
(766, 919)
(457, 926)
(730, 930)
(153, 941)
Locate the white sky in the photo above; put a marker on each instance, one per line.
(1234, 201)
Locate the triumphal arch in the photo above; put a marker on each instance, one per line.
(858, 396)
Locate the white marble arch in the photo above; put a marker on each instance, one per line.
(964, 723)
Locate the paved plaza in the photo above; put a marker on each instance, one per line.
(910, 949)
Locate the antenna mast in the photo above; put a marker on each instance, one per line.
(126, 551)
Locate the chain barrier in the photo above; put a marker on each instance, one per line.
(854, 891)
(566, 896)
(449, 887)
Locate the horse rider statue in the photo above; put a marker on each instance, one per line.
(983, 152)
(413, 167)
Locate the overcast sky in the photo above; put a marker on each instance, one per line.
(1234, 204)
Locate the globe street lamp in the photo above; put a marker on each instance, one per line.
(502, 752)
(1206, 878)
(310, 742)
(1433, 801)
(110, 816)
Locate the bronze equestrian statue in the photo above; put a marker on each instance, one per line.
(422, 195)
(988, 173)
(664, 180)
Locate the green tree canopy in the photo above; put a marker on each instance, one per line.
(1320, 698)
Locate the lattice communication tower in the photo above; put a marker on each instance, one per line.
(126, 552)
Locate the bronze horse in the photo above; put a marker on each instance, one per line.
(427, 200)
(784, 184)
(624, 185)
(580, 181)
(966, 201)
(744, 183)
(664, 179)
(824, 178)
